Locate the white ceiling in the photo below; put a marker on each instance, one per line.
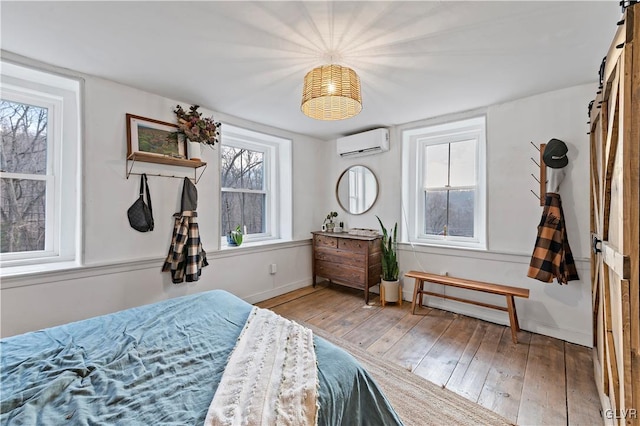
(415, 59)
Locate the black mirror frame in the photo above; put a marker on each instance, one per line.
(338, 186)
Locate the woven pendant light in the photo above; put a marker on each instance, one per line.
(331, 92)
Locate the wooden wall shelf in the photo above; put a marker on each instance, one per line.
(150, 158)
(170, 161)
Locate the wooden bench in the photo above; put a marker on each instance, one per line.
(504, 290)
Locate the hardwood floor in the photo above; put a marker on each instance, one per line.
(539, 381)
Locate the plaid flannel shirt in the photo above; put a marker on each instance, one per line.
(552, 255)
(186, 257)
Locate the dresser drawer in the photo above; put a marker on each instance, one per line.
(324, 241)
(356, 246)
(355, 277)
(328, 254)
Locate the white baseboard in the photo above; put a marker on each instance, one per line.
(571, 336)
(264, 295)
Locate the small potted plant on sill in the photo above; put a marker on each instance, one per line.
(390, 284)
(235, 237)
(197, 130)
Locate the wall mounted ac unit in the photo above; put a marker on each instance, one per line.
(365, 143)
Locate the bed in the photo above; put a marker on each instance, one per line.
(158, 364)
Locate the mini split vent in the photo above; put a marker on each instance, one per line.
(365, 143)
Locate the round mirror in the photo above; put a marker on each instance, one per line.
(357, 189)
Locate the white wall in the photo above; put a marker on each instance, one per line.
(513, 213)
(122, 266)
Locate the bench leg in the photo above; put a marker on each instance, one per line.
(415, 295)
(513, 319)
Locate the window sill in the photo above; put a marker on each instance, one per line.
(255, 247)
(456, 245)
(34, 269)
(26, 275)
(253, 244)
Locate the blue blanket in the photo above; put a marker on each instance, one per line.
(157, 364)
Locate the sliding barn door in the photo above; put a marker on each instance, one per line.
(615, 223)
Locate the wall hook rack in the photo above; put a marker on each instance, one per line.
(534, 176)
(542, 174)
(195, 179)
(137, 156)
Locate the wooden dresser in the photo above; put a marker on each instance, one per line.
(349, 260)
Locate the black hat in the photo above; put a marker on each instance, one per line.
(555, 154)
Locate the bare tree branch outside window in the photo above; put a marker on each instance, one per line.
(23, 201)
(243, 190)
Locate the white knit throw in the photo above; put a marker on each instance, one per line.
(271, 376)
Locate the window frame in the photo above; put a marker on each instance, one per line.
(415, 140)
(277, 185)
(61, 96)
(267, 158)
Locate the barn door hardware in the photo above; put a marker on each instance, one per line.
(601, 73)
(626, 3)
(594, 243)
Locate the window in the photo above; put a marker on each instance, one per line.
(26, 177)
(444, 183)
(255, 180)
(244, 189)
(39, 124)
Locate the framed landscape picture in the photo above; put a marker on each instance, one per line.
(154, 137)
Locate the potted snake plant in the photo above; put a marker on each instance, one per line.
(390, 284)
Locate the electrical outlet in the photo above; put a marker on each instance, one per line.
(444, 273)
(273, 269)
